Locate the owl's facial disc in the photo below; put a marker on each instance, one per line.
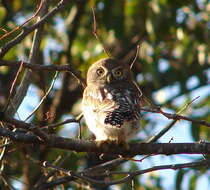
(105, 76)
(108, 70)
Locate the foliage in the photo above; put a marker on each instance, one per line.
(172, 69)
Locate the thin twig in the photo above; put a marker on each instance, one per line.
(77, 120)
(7, 182)
(44, 97)
(170, 125)
(14, 84)
(53, 67)
(141, 160)
(129, 175)
(59, 161)
(54, 125)
(176, 116)
(21, 26)
(4, 30)
(26, 81)
(136, 56)
(161, 133)
(80, 131)
(96, 34)
(2, 155)
(187, 105)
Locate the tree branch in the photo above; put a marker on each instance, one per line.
(89, 176)
(19, 27)
(176, 117)
(26, 81)
(131, 175)
(65, 68)
(54, 141)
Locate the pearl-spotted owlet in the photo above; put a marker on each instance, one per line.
(111, 101)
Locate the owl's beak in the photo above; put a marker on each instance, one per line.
(109, 78)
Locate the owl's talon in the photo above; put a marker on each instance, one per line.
(111, 143)
(101, 156)
(124, 144)
(107, 144)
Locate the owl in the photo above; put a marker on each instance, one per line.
(111, 101)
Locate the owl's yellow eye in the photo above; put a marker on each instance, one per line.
(118, 73)
(100, 72)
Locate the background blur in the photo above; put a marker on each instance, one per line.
(172, 69)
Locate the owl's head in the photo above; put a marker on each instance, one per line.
(108, 71)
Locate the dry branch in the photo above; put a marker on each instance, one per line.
(14, 85)
(54, 141)
(176, 117)
(88, 176)
(88, 146)
(27, 21)
(26, 81)
(64, 68)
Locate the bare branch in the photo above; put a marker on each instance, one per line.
(187, 105)
(44, 97)
(59, 161)
(54, 141)
(176, 116)
(96, 34)
(136, 56)
(26, 81)
(89, 177)
(131, 175)
(14, 84)
(54, 183)
(77, 120)
(161, 133)
(64, 68)
(21, 26)
(7, 182)
(170, 125)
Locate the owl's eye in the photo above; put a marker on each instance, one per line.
(118, 73)
(100, 71)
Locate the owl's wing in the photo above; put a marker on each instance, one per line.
(114, 107)
(128, 106)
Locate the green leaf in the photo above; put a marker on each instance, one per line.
(195, 131)
(179, 176)
(193, 181)
(2, 13)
